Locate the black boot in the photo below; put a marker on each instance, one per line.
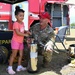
(45, 64)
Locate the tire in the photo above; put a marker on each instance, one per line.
(3, 54)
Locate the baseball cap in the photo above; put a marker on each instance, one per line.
(45, 15)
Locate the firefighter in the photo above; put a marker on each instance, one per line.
(44, 33)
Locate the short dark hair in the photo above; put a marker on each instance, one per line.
(17, 10)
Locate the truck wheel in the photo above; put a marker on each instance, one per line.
(3, 54)
(1, 58)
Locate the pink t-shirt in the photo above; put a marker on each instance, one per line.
(20, 27)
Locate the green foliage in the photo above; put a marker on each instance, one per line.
(72, 24)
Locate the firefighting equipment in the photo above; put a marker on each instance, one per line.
(32, 64)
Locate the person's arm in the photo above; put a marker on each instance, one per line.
(28, 32)
(20, 33)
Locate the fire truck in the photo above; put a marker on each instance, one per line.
(58, 10)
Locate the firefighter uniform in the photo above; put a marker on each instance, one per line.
(43, 38)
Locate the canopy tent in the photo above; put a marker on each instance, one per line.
(12, 1)
(17, 1)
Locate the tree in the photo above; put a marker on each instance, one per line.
(72, 25)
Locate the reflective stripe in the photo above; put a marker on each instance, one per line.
(33, 54)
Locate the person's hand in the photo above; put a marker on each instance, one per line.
(49, 50)
(27, 35)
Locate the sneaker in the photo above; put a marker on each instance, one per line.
(11, 71)
(21, 69)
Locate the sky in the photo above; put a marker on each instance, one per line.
(72, 12)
